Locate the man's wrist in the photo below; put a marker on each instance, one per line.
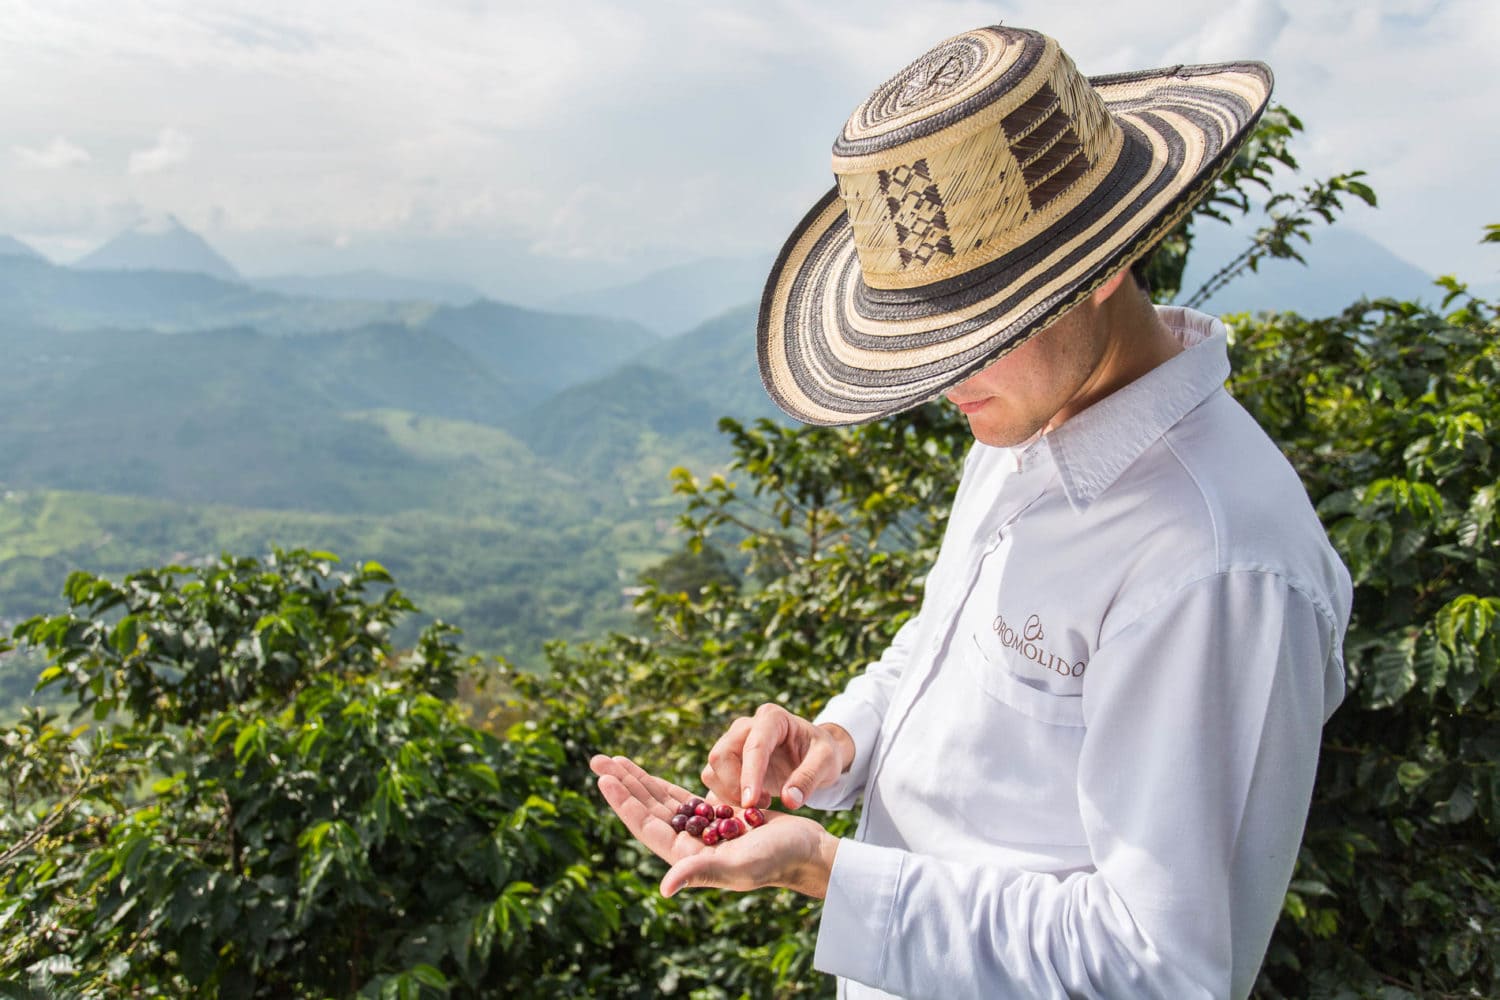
(812, 880)
(844, 742)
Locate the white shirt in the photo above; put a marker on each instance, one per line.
(1087, 761)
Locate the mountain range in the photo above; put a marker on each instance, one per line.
(1341, 266)
(510, 465)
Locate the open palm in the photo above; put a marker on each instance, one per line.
(787, 851)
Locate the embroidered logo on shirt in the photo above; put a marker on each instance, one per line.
(1028, 642)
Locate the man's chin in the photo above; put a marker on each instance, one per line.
(1002, 437)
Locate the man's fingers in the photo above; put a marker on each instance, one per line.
(819, 768)
(640, 816)
(768, 730)
(689, 873)
(664, 793)
(706, 870)
(721, 775)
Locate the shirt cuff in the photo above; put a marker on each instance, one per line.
(854, 930)
(862, 724)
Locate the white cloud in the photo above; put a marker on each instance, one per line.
(1247, 29)
(59, 154)
(172, 149)
(599, 129)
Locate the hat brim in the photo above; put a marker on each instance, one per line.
(835, 351)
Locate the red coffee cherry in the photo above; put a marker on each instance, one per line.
(724, 811)
(730, 828)
(679, 822)
(754, 817)
(685, 809)
(694, 803)
(710, 836)
(696, 826)
(704, 809)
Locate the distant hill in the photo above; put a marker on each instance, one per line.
(12, 247)
(546, 351)
(1342, 266)
(626, 430)
(160, 244)
(368, 286)
(717, 358)
(236, 416)
(35, 291)
(677, 299)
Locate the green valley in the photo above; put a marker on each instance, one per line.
(511, 467)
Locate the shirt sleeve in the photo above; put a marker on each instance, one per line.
(1203, 724)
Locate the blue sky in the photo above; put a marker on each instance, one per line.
(514, 145)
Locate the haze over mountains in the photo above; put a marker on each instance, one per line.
(509, 465)
(368, 285)
(12, 247)
(1342, 265)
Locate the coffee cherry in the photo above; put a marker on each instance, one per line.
(724, 811)
(696, 826)
(679, 822)
(694, 803)
(730, 828)
(685, 809)
(710, 836)
(704, 809)
(754, 817)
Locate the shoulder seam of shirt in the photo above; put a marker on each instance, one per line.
(1208, 508)
(1324, 610)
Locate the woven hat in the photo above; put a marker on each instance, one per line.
(982, 192)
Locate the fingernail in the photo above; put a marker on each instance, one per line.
(793, 797)
(747, 797)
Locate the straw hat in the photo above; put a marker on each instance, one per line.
(982, 192)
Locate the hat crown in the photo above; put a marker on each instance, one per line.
(968, 152)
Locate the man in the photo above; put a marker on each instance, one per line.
(1086, 763)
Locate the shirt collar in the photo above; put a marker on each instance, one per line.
(1092, 448)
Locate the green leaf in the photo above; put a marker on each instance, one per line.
(1392, 673)
(251, 741)
(1411, 775)
(428, 975)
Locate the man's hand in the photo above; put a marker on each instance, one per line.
(776, 751)
(787, 851)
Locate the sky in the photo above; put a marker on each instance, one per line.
(530, 148)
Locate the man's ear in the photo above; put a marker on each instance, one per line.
(1110, 286)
